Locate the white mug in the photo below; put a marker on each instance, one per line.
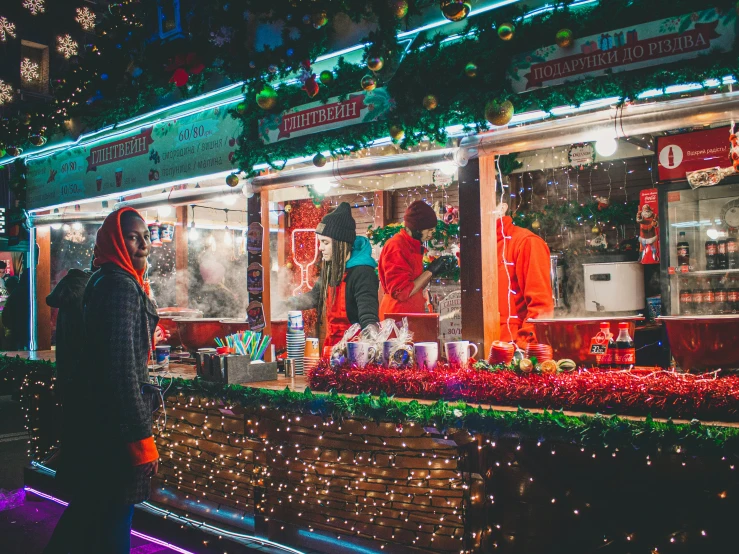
(427, 354)
(360, 353)
(458, 352)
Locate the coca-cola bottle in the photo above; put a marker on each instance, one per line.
(624, 353)
(605, 361)
(698, 308)
(683, 250)
(670, 158)
(709, 297)
(721, 296)
(686, 300)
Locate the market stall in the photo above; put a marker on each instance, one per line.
(568, 435)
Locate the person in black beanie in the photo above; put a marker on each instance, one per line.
(347, 289)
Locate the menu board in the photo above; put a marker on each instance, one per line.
(171, 150)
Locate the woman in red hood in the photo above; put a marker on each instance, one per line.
(115, 401)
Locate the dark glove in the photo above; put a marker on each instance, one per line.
(440, 265)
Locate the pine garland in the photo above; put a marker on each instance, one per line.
(595, 431)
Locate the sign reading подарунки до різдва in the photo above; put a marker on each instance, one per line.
(655, 43)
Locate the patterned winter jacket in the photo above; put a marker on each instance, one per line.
(119, 322)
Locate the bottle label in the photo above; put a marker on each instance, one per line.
(720, 296)
(733, 296)
(731, 247)
(722, 248)
(686, 297)
(710, 249)
(698, 297)
(682, 251)
(624, 356)
(709, 297)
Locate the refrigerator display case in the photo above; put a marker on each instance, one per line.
(701, 257)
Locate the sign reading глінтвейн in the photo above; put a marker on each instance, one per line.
(638, 46)
(362, 107)
(188, 147)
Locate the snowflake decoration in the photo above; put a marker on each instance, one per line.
(222, 36)
(29, 70)
(66, 46)
(85, 18)
(35, 6)
(7, 29)
(6, 93)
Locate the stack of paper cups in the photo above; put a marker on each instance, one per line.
(296, 340)
(312, 354)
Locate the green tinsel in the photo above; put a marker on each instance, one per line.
(554, 217)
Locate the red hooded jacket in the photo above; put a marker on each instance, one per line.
(401, 263)
(530, 292)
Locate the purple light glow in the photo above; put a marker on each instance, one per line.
(134, 533)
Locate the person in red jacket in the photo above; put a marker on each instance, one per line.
(524, 257)
(402, 276)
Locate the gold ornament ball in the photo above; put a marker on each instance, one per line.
(455, 10)
(595, 230)
(319, 19)
(399, 8)
(288, 208)
(369, 83)
(289, 265)
(326, 77)
(397, 133)
(232, 180)
(37, 140)
(536, 225)
(430, 102)
(526, 365)
(506, 30)
(375, 63)
(564, 38)
(267, 98)
(499, 113)
(470, 69)
(319, 160)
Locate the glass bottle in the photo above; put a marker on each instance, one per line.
(624, 354)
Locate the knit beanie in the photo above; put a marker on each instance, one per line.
(339, 224)
(419, 216)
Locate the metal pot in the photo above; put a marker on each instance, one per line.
(703, 342)
(199, 333)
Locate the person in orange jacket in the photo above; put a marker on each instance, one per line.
(402, 276)
(530, 293)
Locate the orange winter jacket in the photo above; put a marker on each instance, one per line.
(401, 263)
(530, 293)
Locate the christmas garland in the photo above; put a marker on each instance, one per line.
(443, 233)
(596, 431)
(659, 393)
(555, 217)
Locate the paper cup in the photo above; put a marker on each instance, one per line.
(162, 354)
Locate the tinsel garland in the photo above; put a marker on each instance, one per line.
(659, 393)
(647, 435)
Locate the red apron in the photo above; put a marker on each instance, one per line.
(336, 321)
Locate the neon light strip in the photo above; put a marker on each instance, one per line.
(33, 342)
(175, 517)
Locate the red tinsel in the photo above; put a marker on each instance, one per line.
(659, 393)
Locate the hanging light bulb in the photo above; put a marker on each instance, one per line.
(606, 146)
(447, 168)
(77, 226)
(164, 211)
(321, 186)
(227, 238)
(56, 226)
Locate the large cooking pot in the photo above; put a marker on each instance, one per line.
(570, 337)
(703, 342)
(201, 332)
(167, 318)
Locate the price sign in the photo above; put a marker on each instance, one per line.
(598, 349)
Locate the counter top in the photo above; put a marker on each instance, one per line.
(300, 383)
